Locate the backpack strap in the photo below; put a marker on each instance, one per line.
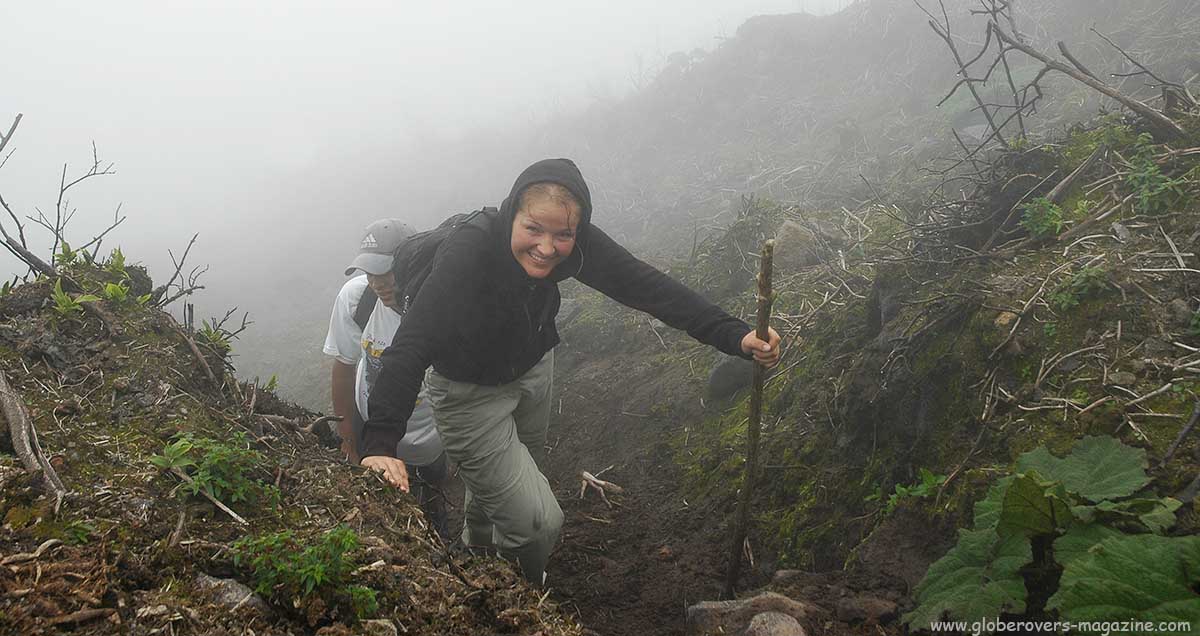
(366, 305)
(422, 247)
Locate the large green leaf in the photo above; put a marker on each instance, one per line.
(1156, 515)
(1033, 505)
(1098, 468)
(1162, 516)
(1133, 577)
(978, 577)
(1078, 539)
(987, 510)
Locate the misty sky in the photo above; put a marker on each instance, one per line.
(214, 111)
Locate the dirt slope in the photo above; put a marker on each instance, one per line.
(130, 547)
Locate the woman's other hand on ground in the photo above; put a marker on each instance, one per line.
(393, 469)
(765, 353)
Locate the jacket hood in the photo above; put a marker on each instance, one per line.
(565, 173)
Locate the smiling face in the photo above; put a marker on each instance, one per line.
(543, 233)
(384, 286)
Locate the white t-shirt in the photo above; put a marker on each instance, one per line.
(347, 344)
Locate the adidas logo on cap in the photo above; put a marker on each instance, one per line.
(369, 242)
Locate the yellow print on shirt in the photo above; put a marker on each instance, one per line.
(375, 365)
(371, 349)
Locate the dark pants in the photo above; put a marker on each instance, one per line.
(428, 484)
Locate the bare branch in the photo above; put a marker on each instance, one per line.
(1062, 48)
(62, 211)
(1159, 121)
(944, 33)
(11, 129)
(20, 228)
(1139, 65)
(161, 291)
(96, 239)
(185, 291)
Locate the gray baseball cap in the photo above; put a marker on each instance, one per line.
(379, 243)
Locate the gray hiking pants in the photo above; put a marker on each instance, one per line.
(497, 435)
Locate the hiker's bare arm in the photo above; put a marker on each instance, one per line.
(393, 469)
(342, 390)
(765, 353)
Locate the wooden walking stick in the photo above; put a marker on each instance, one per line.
(743, 510)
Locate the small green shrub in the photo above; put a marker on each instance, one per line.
(175, 455)
(285, 569)
(116, 292)
(1155, 192)
(78, 532)
(65, 304)
(927, 485)
(222, 469)
(271, 385)
(1084, 283)
(66, 255)
(116, 263)
(215, 337)
(1042, 218)
(119, 293)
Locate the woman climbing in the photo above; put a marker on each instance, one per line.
(484, 319)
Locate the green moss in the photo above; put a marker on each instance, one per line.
(1082, 143)
(20, 516)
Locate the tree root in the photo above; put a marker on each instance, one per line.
(25, 441)
(587, 480)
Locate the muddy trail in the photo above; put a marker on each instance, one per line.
(633, 564)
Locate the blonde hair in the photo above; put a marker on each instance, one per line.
(554, 192)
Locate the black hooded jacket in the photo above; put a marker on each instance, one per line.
(480, 318)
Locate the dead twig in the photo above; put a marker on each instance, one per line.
(1183, 433)
(82, 616)
(1156, 392)
(216, 502)
(24, 557)
(195, 351)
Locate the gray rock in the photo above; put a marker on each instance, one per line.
(732, 617)
(152, 611)
(774, 624)
(859, 609)
(1070, 364)
(730, 375)
(783, 576)
(1181, 313)
(379, 627)
(1122, 232)
(1157, 347)
(231, 594)
(1122, 378)
(797, 247)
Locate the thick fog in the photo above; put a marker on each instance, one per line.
(278, 129)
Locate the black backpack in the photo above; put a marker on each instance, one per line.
(413, 259)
